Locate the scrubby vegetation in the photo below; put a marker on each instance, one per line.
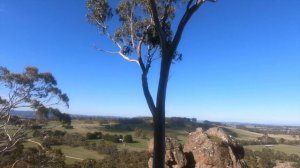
(113, 146)
(33, 157)
(267, 158)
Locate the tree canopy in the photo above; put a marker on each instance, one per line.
(30, 89)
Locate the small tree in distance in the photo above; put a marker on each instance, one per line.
(145, 30)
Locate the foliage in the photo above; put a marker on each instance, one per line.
(8, 158)
(50, 138)
(119, 127)
(297, 164)
(33, 157)
(88, 163)
(108, 137)
(68, 126)
(30, 89)
(95, 135)
(113, 138)
(40, 158)
(128, 138)
(73, 139)
(265, 139)
(266, 158)
(124, 159)
(250, 159)
(102, 147)
(140, 133)
(63, 117)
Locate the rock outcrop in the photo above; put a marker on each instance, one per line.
(203, 149)
(174, 157)
(213, 149)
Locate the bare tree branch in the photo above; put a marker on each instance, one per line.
(131, 28)
(125, 57)
(15, 163)
(109, 36)
(190, 10)
(186, 17)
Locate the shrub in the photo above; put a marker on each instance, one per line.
(95, 135)
(128, 138)
(68, 126)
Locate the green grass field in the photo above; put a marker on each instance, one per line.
(70, 152)
(244, 135)
(74, 154)
(78, 152)
(289, 149)
(248, 135)
(83, 127)
(79, 127)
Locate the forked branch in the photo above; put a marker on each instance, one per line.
(190, 10)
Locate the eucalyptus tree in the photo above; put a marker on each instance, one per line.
(144, 31)
(30, 89)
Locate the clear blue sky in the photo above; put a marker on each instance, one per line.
(241, 60)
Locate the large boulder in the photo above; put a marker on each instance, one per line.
(213, 149)
(203, 149)
(174, 157)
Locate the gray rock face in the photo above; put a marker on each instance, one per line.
(203, 149)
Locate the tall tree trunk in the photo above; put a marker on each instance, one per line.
(159, 140)
(159, 117)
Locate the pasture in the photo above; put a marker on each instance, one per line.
(288, 149)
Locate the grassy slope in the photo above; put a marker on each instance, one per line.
(248, 135)
(83, 127)
(142, 144)
(289, 149)
(78, 152)
(245, 135)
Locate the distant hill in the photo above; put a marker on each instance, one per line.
(31, 114)
(23, 114)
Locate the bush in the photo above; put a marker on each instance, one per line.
(73, 139)
(140, 133)
(113, 138)
(106, 148)
(35, 127)
(128, 138)
(51, 140)
(297, 164)
(68, 126)
(37, 134)
(267, 159)
(59, 133)
(95, 135)
(124, 159)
